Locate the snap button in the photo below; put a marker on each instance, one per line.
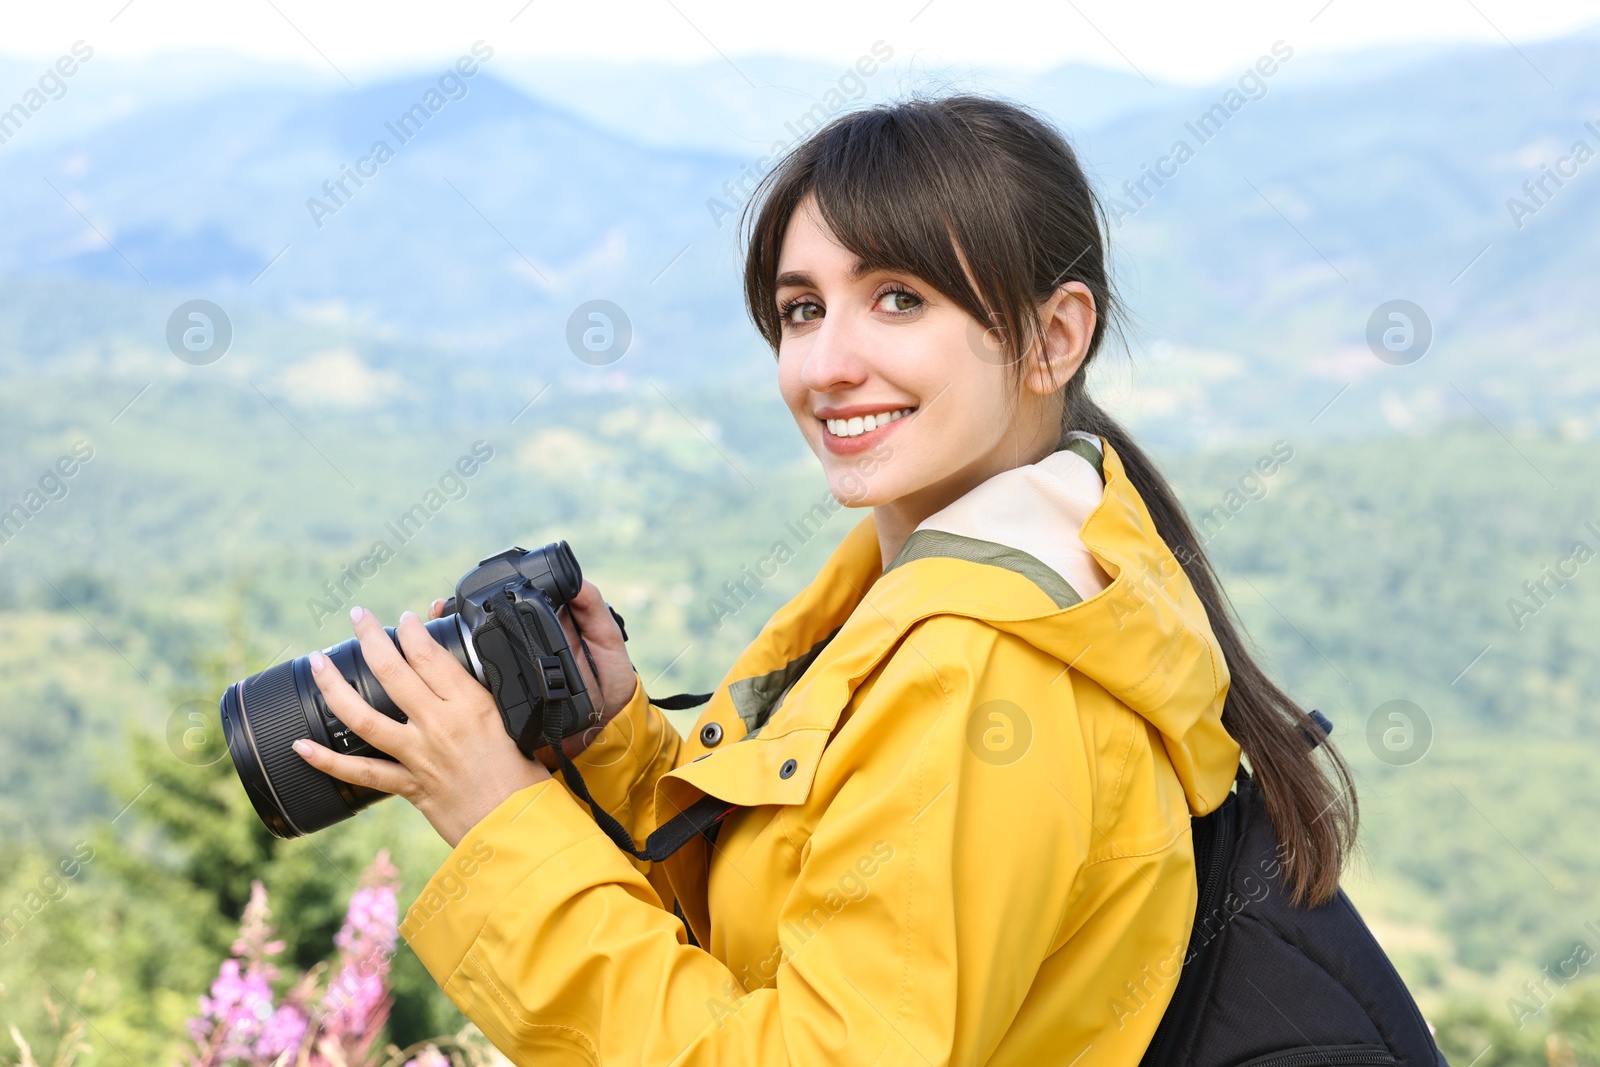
(788, 768)
(710, 734)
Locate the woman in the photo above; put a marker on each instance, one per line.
(961, 764)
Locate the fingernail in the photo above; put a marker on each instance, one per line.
(302, 746)
(355, 613)
(318, 661)
(404, 615)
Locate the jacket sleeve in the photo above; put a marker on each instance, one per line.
(923, 907)
(620, 769)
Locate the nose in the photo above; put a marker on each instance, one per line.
(835, 360)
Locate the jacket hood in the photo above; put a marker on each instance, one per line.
(1127, 616)
(1062, 553)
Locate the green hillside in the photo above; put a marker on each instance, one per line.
(193, 547)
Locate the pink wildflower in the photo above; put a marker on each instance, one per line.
(238, 1022)
(357, 1002)
(232, 1017)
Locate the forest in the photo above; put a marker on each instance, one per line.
(1367, 573)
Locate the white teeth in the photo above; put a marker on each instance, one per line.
(864, 423)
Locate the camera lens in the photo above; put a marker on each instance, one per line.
(266, 713)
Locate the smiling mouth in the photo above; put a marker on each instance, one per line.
(860, 424)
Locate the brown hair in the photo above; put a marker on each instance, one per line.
(903, 186)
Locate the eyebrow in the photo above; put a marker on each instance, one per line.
(803, 280)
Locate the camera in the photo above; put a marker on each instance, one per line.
(501, 625)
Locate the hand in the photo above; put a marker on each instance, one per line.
(456, 763)
(618, 680)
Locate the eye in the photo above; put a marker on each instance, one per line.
(901, 301)
(787, 308)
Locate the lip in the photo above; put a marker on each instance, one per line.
(849, 446)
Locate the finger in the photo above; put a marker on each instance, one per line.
(357, 770)
(397, 677)
(436, 609)
(592, 614)
(438, 669)
(369, 724)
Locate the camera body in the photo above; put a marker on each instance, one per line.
(535, 583)
(541, 697)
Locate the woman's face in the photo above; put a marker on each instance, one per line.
(892, 384)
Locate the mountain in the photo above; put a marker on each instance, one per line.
(1251, 272)
(484, 230)
(738, 108)
(1313, 205)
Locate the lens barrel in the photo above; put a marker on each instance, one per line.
(263, 715)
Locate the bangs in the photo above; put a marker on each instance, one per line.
(909, 190)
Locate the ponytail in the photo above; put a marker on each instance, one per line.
(1314, 813)
(912, 186)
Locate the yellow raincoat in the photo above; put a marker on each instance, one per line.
(964, 788)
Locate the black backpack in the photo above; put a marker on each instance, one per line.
(1267, 984)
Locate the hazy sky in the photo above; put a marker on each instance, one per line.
(1173, 40)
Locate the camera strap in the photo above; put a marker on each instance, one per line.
(680, 702)
(698, 818)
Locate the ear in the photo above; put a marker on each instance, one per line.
(1066, 324)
